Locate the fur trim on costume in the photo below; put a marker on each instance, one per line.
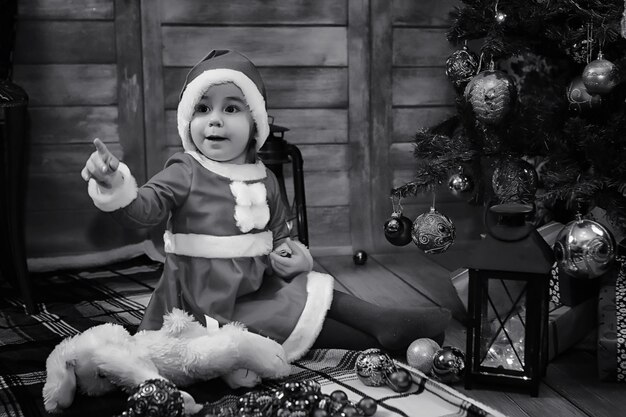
(319, 289)
(251, 209)
(115, 198)
(208, 246)
(244, 172)
(198, 86)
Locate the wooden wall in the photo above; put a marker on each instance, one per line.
(352, 80)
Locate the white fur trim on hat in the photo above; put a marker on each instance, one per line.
(198, 86)
(114, 198)
(319, 289)
(235, 172)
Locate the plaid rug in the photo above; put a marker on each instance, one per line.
(71, 302)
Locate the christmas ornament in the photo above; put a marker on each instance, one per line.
(460, 183)
(461, 66)
(155, 398)
(420, 354)
(514, 180)
(372, 365)
(579, 98)
(600, 76)
(360, 257)
(368, 405)
(584, 249)
(500, 17)
(398, 229)
(448, 365)
(400, 380)
(491, 94)
(433, 232)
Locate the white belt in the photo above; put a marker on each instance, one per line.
(208, 246)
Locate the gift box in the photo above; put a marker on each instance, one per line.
(612, 328)
(568, 325)
(564, 289)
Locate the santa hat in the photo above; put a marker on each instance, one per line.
(218, 67)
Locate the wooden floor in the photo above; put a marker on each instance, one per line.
(571, 387)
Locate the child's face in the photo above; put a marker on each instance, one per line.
(222, 124)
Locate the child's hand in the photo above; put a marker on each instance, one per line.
(102, 167)
(289, 259)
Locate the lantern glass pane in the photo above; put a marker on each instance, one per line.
(503, 324)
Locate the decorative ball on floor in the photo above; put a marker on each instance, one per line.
(360, 257)
(368, 405)
(433, 232)
(584, 249)
(372, 366)
(155, 398)
(420, 354)
(398, 229)
(448, 365)
(399, 380)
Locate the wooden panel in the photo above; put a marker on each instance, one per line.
(420, 47)
(401, 155)
(70, 159)
(66, 9)
(381, 101)
(422, 13)
(51, 192)
(255, 12)
(325, 188)
(62, 85)
(360, 123)
(325, 157)
(130, 85)
(305, 126)
(154, 119)
(276, 46)
(66, 42)
(286, 87)
(73, 124)
(60, 233)
(421, 86)
(406, 120)
(329, 226)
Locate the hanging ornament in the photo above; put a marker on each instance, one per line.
(433, 232)
(600, 76)
(491, 94)
(448, 365)
(584, 249)
(579, 98)
(372, 365)
(514, 180)
(500, 17)
(460, 183)
(579, 51)
(398, 227)
(420, 354)
(461, 66)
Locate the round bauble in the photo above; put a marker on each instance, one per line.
(156, 398)
(372, 365)
(398, 230)
(492, 95)
(514, 180)
(461, 66)
(460, 183)
(433, 232)
(448, 365)
(420, 354)
(400, 380)
(368, 405)
(579, 98)
(600, 76)
(359, 257)
(584, 249)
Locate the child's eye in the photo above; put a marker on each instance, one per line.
(232, 109)
(201, 108)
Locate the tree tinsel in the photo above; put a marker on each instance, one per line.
(579, 152)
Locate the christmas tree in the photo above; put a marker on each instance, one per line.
(540, 109)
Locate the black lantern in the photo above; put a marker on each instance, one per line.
(275, 152)
(509, 275)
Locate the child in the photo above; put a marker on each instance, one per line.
(228, 252)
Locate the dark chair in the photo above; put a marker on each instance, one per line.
(275, 153)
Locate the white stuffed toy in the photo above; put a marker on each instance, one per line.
(107, 357)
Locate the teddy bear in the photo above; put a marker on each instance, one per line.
(106, 357)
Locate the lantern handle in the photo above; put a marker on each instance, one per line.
(507, 222)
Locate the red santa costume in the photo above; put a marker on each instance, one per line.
(223, 221)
